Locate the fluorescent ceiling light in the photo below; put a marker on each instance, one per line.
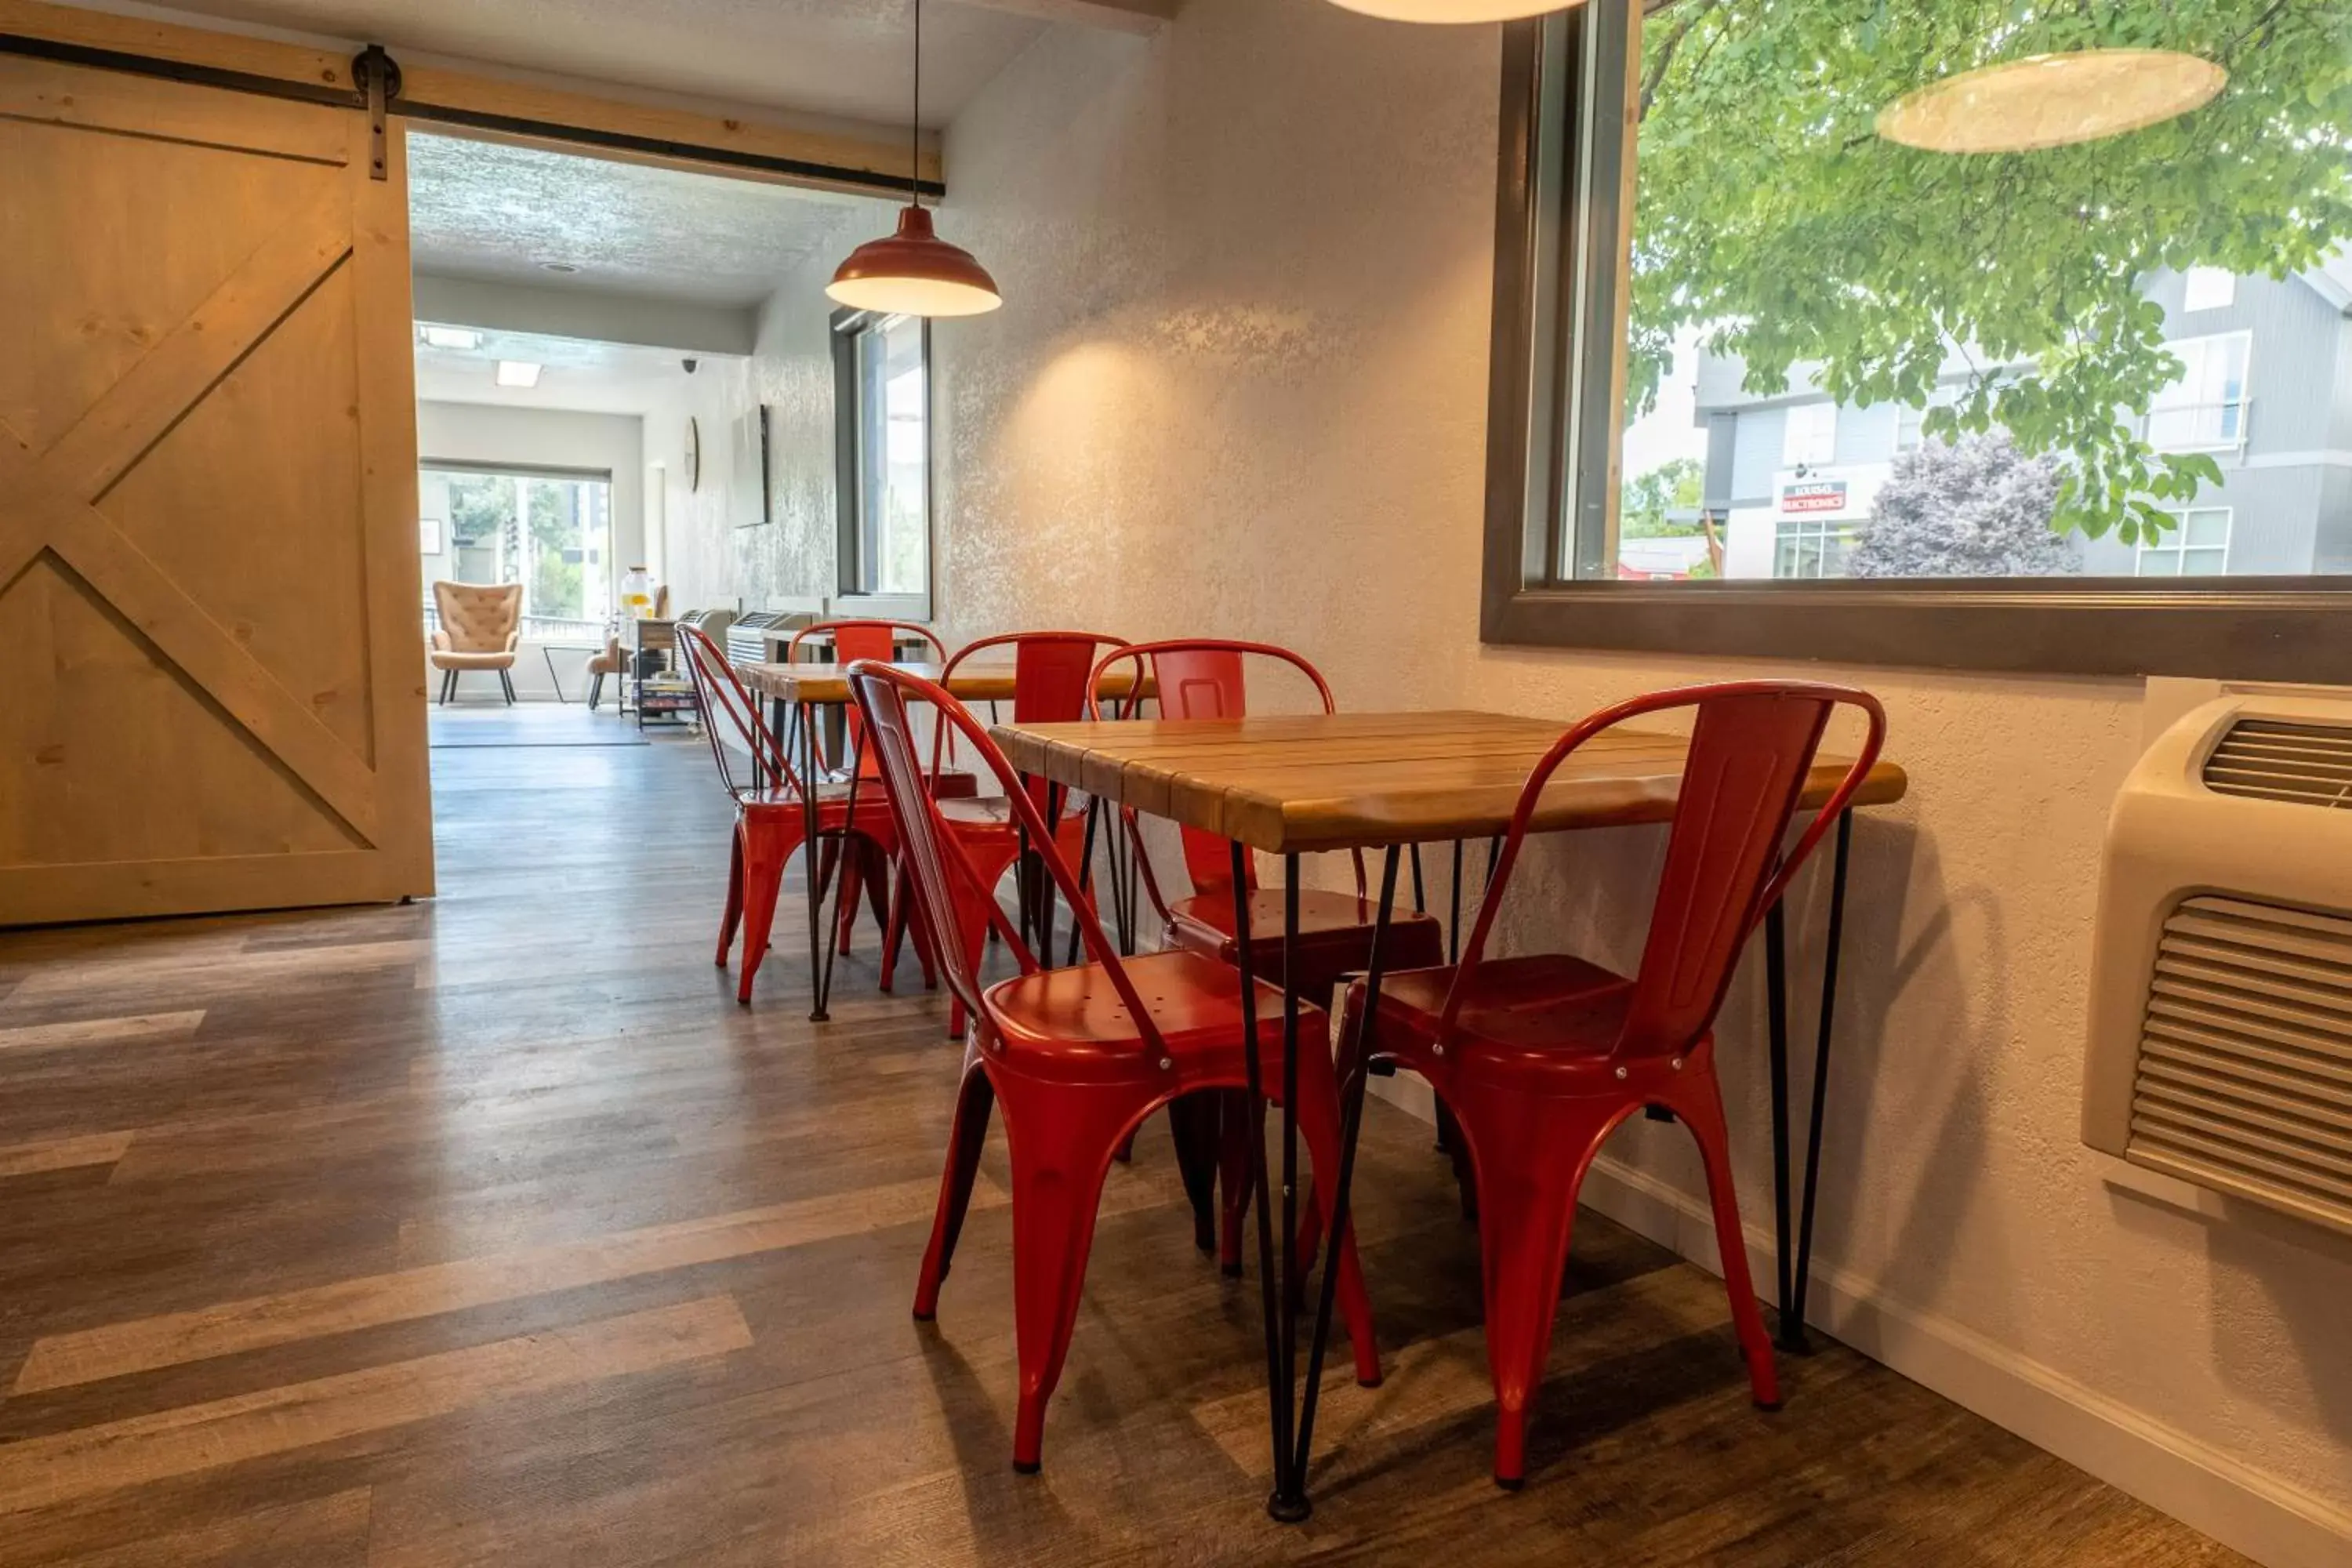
(517, 372)
(2052, 100)
(461, 338)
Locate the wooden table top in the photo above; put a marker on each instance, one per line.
(828, 685)
(1302, 783)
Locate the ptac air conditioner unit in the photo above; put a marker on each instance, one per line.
(2221, 1047)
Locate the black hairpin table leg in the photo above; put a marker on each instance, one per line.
(1277, 1390)
(1795, 1262)
(1354, 1062)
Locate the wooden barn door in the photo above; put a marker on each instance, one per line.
(211, 693)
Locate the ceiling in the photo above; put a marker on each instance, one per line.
(575, 373)
(486, 210)
(843, 58)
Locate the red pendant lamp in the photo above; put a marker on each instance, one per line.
(914, 272)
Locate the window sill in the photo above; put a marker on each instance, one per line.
(2257, 628)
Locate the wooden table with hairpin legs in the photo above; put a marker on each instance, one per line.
(1297, 785)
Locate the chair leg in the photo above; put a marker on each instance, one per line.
(1319, 1128)
(734, 915)
(1530, 1156)
(763, 880)
(1192, 1124)
(505, 684)
(1061, 1140)
(1700, 1106)
(894, 927)
(965, 1139)
(853, 886)
(1235, 1127)
(595, 689)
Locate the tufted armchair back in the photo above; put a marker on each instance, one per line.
(477, 618)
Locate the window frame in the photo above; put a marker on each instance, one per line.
(2179, 547)
(523, 474)
(851, 597)
(2256, 629)
(2243, 407)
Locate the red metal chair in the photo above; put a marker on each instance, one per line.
(1205, 678)
(863, 875)
(1050, 672)
(770, 816)
(1542, 1056)
(1079, 1057)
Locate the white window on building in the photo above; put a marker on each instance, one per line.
(1813, 547)
(2205, 410)
(1811, 437)
(2197, 547)
(2208, 289)
(1908, 428)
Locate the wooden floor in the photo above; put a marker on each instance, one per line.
(492, 1231)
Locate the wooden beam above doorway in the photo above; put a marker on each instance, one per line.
(483, 103)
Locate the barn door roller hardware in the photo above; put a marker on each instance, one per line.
(376, 90)
(378, 75)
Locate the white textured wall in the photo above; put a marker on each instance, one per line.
(1239, 386)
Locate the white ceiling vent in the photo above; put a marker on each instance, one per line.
(2220, 1048)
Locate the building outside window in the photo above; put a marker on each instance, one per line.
(550, 532)
(1809, 437)
(2206, 407)
(883, 458)
(2208, 289)
(2199, 547)
(1893, 363)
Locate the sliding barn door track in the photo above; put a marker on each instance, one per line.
(377, 72)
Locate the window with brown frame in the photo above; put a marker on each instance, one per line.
(1773, 377)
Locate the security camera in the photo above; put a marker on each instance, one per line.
(689, 364)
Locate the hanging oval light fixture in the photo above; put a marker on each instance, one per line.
(914, 272)
(2052, 101)
(1455, 10)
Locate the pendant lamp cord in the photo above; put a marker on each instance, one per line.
(915, 131)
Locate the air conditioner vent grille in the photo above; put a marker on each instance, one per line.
(2268, 759)
(2244, 1081)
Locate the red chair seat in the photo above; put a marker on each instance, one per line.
(1335, 935)
(1073, 1024)
(1547, 1012)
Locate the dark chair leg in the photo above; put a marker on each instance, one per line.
(595, 689)
(505, 684)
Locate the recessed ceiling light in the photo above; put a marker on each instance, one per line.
(558, 266)
(464, 338)
(517, 372)
(2052, 101)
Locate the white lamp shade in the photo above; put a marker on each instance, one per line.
(1455, 10)
(2052, 101)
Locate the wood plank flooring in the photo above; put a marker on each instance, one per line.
(492, 1231)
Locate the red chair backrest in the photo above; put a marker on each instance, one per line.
(1752, 755)
(938, 865)
(1204, 678)
(857, 639)
(728, 709)
(1050, 672)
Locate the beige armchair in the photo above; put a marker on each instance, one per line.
(612, 661)
(480, 626)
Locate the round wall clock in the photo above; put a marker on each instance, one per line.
(693, 453)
